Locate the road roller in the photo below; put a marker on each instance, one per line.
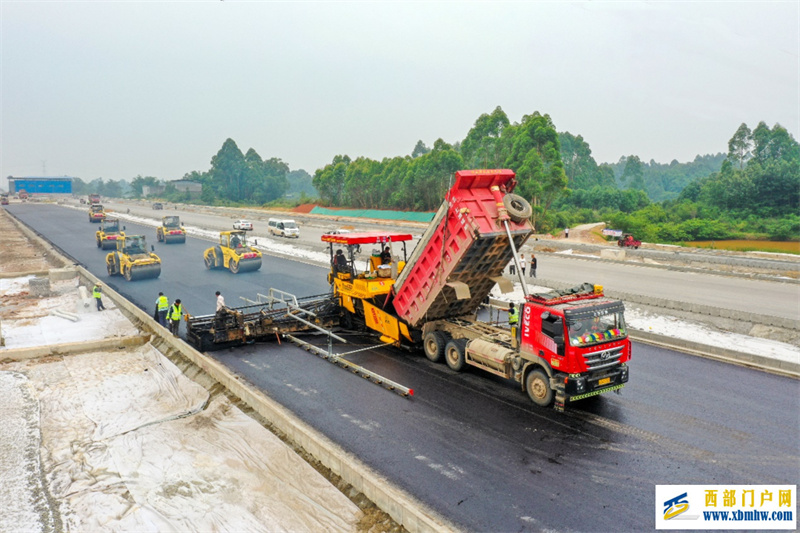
(170, 231)
(108, 234)
(132, 260)
(233, 252)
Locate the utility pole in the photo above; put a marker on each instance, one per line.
(44, 167)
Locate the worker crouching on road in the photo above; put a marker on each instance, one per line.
(174, 317)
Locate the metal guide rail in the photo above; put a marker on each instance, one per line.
(264, 319)
(338, 359)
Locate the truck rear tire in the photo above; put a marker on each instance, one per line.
(517, 207)
(538, 386)
(454, 354)
(434, 344)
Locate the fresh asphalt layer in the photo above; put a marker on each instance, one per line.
(472, 446)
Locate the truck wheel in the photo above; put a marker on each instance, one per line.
(538, 386)
(518, 207)
(110, 269)
(234, 266)
(434, 344)
(209, 260)
(128, 274)
(99, 244)
(454, 354)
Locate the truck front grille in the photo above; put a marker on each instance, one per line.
(603, 358)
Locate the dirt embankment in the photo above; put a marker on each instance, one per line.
(17, 252)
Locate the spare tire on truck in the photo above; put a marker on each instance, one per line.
(517, 207)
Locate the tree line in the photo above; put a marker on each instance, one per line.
(753, 189)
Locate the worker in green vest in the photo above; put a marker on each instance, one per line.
(174, 316)
(513, 315)
(98, 296)
(513, 321)
(162, 307)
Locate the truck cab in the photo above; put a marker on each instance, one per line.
(578, 338)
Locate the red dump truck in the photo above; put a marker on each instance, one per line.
(570, 345)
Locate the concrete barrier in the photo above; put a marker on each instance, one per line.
(775, 366)
(765, 320)
(100, 345)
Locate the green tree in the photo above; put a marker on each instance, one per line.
(633, 175)
(482, 148)
(113, 189)
(229, 172)
(138, 183)
(420, 149)
(534, 153)
(740, 145)
(330, 179)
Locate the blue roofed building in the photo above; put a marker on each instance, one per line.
(40, 185)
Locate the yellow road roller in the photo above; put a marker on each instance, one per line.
(170, 231)
(96, 213)
(132, 260)
(233, 253)
(108, 233)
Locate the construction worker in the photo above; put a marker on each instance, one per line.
(98, 296)
(513, 321)
(513, 315)
(162, 306)
(174, 316)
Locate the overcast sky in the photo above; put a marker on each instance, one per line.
(118, 89)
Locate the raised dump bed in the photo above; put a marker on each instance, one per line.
(465, 248)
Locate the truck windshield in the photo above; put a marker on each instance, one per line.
(111, 227)
(597, 329)
(172, 222)
(290, 225)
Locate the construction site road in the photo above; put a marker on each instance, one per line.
(473, 447)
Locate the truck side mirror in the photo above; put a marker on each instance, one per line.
(123, 228)
(545, 315)
(152, 248)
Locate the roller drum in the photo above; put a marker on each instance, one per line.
(138, 272)
(174, 239)
(249, 265)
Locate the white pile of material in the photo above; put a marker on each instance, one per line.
(130, 444)
(34, 325)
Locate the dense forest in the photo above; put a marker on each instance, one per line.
(751, 191)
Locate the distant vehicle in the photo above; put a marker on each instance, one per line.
(284, 228)
(243, 224)
(22, 195)
(94, 198)
(628, 241)
(4, 199)
(158, 205)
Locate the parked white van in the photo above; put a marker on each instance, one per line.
(284, 228)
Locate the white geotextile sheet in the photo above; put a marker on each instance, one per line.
(23, 505)
(130, 444)
(48, 330)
